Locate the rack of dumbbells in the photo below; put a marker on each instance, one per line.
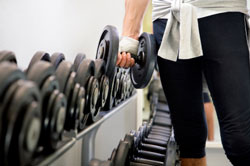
(153, 144)
(53, 103)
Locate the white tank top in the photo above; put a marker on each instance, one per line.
(182, 23)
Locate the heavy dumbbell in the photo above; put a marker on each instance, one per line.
(76, 116)
(38, 56)
(120, 156)
(20, 116)
(100, 74)
(53, 103)
(140, 157)
(78, 60)
(85, 76)
(145, 59)
(117, 86)
(106, 50)
(7, 56)
(57, 58)
(121, 93)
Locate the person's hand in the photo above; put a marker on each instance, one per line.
(124, 60)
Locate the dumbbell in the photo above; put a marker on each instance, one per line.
(8, 56)
(107, 47)
(145, 59)
(85, 76)
(110, 98)
(120, 156)
(100, 75)
(78, 60)
(128, 82)
(20, 116)
(161, 135)
(162, 107)
(122, 86)
(53, 103)
(57, 58)
(138, 156)
(76, 116)
(117, 87)
(38, 56)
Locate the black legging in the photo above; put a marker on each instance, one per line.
(226, 67)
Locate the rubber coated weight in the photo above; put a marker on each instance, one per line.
(110, 98)
(7, 56)
(66, 78)
(142, 71)
(57, 58)
(57, 118)
(121, 156)
(78, 60)
(85, 77)
(10, 73)
(39, 56)
(108, 49)
(93, 93)
(85, 71)
(25, 92)
(83, 115)
(73, 111)
(63, 74)
(103, 80)
(39, 72)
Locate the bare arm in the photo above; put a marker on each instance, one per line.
(134, 12)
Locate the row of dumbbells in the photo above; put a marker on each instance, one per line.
(152, 144)
(51, 96)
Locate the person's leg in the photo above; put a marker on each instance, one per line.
(182, 84)
(209, 111)
(226, 68)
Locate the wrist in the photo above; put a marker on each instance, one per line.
(128, 44)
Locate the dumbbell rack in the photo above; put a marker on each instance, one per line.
(78, 148)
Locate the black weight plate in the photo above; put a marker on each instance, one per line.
(72, 110)
(81, 106)
(3, 111)
(108, 49)
(39, 56)
(11, 74)
(7, 56)
(25, 93)
(29, 133)
(78, 60)
(99, 68)
(110, 98)
(63, 73)
(40, 71)
(104, 90)
(122, 152)
(57, 58)
(57, 119)
(93, 94)
(85, 71)
(141, 72)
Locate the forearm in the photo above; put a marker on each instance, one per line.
(134, 12)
